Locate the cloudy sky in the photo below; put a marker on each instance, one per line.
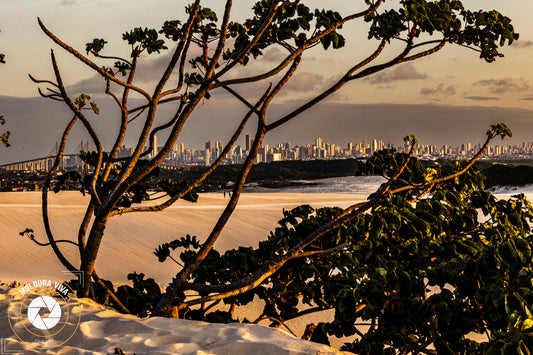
(454, 80)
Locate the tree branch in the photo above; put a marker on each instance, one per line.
(256, 278)
(329, 91)
(208, 172)
(89, 63)
(46, 187)
(264, 26)
(77, 112)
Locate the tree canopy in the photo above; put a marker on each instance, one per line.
(205, 52)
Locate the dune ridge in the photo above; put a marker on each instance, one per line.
(101, 330)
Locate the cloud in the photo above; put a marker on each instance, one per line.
(387, 87)
(439, 90)
(527, 98)
(94, 85)
(403, 72)
(481, 98)
(502, 86)
(302, 82)
(274, 55)
(149, 70)
(67, 2)
(522, 44)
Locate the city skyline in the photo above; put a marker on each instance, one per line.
(283, 151)
(429, 97)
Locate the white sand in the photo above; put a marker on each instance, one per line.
(130, 239)
(101, 330)
(128, 246)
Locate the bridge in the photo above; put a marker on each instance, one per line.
(68, 161)
(46, 163)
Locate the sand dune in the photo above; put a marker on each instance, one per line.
(128, 246)
(101, 330)
(130, 239)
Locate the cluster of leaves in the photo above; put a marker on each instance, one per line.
(415, 274)
(163, 251)
(140, 298)
(484, 30)
(81, 102)
(291, 26)
(144, 39)
(4, 138)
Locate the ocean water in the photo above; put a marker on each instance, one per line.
(367, 185)
(346, 184)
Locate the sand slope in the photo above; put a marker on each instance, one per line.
(130, 239)
(101, 330)
(128, 246)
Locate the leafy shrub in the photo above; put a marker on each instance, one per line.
(405, 276)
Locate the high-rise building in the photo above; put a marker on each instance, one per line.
(154, 148)
(207, 157)
(248, 142)
(209, 145)
(318, 142)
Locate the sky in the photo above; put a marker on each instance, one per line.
(403, 98)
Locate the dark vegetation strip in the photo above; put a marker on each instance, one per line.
(283, 173)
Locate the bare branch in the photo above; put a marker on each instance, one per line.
(266, 23)
(308, 254)
(329, 91)
(91, 64)
(84, 225)
(425, 53)
(177, 52)
(123, 124)
(221, 41)
(77, 112)
(42, 81)
(55, 241)
(165, 126)
(208, 172)
(46, 187)
(98, 55)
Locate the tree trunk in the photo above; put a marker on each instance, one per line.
(89, 255)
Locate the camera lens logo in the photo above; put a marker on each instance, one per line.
(43, 314)
(48, 304)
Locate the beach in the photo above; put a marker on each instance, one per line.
(130, 239)
(128, 246)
